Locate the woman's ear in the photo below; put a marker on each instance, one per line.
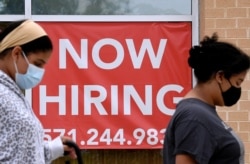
(219, 76)
(16, 52)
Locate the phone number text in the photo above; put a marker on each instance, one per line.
(139, 136)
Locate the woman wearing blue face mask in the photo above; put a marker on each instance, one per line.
(196, 134)
(25, 48)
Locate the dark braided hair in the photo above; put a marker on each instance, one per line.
(212, 56)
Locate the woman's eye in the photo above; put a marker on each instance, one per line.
(238, 84)
(38, 64)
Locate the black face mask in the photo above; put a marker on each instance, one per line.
(231, 96)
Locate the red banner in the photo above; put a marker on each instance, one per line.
(113, 85)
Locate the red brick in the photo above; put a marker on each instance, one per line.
(225, 23)
(243, 22)
(244, 43)
(225, 3)
(209, 4)
(215, 13)
(243, 3)
(236, 33)
(209, 23)
(238, 116)
(244, 126)
(244, 104)
(236, 12)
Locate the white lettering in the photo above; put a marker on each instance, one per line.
(97, 101)
(81, 61)
(60, 99)
(96, 53)
(146, 47)
(96, 95)
(114, 100)
(160, 98)
(74, 100)
(130, 92)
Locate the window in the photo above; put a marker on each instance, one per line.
(97, 7)
(111, 7)
(12, 7)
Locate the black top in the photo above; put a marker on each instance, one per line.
(197, 130)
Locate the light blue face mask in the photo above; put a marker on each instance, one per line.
(31, 78)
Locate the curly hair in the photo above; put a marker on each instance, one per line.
(212, 56)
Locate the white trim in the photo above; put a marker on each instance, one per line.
(195, 22)
(94, 18)
(27, 9)
(112, 18)
(10, 18)
(195, 30)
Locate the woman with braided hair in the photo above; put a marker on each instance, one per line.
(196, 134)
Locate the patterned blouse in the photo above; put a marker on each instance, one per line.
(21, 133)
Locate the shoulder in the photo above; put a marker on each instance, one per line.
(193, 109)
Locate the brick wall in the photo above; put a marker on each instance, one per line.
(231, 20)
